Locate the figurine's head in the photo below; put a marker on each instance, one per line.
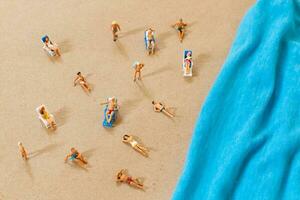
(126, 137)
(19, 143)
(42, 110)
(46, 39)
(153, 102)
(73, 150)
(114, 22)
(78, 73)
(180, 20)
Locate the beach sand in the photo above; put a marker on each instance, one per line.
(81, 28)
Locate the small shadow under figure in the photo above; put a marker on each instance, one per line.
(28, 170)
(130, 104)
(158, 71)
(61, 116)
(122, 49)
(143, 89)
(78, 165)
(131, 32)
(198, 62)
(43, 150)
(161, 39)
(65, 46)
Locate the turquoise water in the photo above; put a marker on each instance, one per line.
(247, 138)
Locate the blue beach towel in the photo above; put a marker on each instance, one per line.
(246, 143)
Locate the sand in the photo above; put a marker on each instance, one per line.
(82, 30)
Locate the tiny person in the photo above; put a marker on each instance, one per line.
(159, 107)
(122, 177)
(22, 151)
(135, 145)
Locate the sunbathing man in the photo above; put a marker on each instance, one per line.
(51, 46)
(47, 117)
(159, 107)
(150, 39)
(122, 177)
(82, 82)
(188, 62)
(180, 26)
(115, 28)
(135, 145)
(22, 151)
(75, 155)
(137, 70)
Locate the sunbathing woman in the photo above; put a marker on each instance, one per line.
(135, 145)
(82, 82)
(188, 62)
(112, 107)
(159, 107)
(75, 155)
(47, 117)
(51, 46)
(122, 177)
(180, 26)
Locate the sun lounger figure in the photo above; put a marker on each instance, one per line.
(110, 112)
(45, 118)
(50, 47)
(149, 41)
(187, 65)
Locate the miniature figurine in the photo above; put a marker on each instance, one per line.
(122, 177)
(128, 139)
(150, 40)
(180, 26)
(187, 65)
(50, 47)
(82, 82)
(46, 118)
(137, 70)
(22, 151)
(75, 155)
(110, 112)
(115, 28)
(159, 107)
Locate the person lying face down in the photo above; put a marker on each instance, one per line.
(51, 46)
(180, 26)
(122, 177)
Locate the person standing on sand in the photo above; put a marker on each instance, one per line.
(137, 70)
(115, 27)
(22, 151)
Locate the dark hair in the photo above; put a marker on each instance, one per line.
(125, 136)
(153, 102)
(78, 73)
